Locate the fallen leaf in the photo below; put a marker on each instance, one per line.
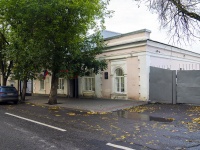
(54, 108)
(71, 114)
(196, 120)
(131, 143)
(91, 113)
(170, 119)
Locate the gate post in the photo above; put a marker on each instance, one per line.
(174, 100)
(144, 65)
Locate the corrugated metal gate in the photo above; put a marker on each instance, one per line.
(188, 86)
(167, 87)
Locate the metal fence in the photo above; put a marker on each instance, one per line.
(168, 86)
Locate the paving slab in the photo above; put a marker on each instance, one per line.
(87, 104)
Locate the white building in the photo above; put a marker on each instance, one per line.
(129, 57)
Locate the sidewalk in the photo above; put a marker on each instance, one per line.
(93, 105)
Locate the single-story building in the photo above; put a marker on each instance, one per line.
(18, 84)
(129, 57)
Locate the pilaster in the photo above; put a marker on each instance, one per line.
(144, 69)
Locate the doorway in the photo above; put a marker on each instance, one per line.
(73, 88)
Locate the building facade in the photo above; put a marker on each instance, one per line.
(129, 57)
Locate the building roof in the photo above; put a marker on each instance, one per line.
(108, 34)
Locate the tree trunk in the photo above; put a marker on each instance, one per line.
(53, 92)
(23, 95)
(4, 81)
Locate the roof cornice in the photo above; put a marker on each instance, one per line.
(126, 34)
(171, 48)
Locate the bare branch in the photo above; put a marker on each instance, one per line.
(180, 17)
(184, 11)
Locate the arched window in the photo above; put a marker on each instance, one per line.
(119, 80)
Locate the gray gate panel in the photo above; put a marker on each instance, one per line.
(188, 86)
(160, 86)
(174, 92)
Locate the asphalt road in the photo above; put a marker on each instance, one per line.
(18, 134)
(31, 127)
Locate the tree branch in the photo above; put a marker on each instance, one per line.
(181, 8)
(3, 38)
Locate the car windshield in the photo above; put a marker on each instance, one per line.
(8, 89)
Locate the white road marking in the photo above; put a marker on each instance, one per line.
(119, 146)
(36, 122)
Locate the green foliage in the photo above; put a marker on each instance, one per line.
(82, 60)
(26, 61)
(6, 63)
(4, 35)
(53, 34)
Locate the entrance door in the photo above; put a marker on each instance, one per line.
(73, 90)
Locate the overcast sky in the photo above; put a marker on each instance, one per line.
(128, 17)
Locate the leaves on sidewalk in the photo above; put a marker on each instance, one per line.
(54, 108)
(196, 120)
(71, 114)
(140, 109)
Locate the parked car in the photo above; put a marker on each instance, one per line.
(9, 94)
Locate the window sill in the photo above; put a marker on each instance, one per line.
(88, 93)
(119, 96)
(118, 93)
(42, 91)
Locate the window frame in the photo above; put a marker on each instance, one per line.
(119, 81)
(42, 85)
(61, 86)
(89, 82)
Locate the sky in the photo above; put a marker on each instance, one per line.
(128, 17)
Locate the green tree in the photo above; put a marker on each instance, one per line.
(26, 62)
(60, 30)
(6, 63)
